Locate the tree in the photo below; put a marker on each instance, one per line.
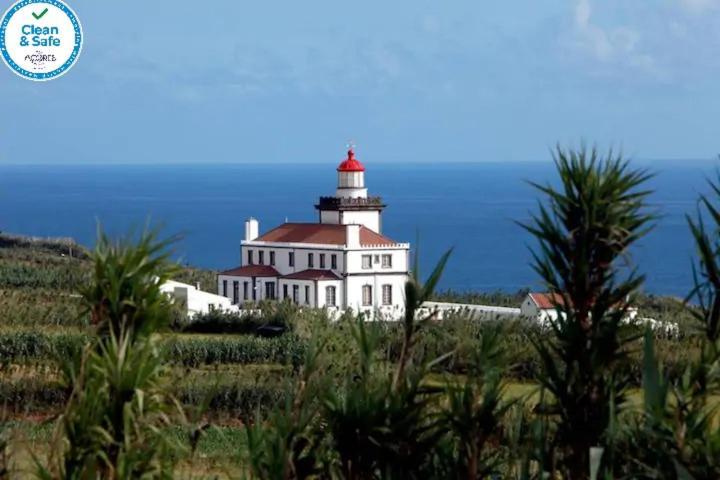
(112, 424)
(584, 229)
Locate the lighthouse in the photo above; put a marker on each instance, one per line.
(340, 262)
(351, 204)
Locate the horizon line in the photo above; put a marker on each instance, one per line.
(284, 163)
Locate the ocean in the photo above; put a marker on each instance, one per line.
(470, 207)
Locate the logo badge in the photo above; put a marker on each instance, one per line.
(40, 39)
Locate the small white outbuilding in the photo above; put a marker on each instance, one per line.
(196, 300)
(543, 307)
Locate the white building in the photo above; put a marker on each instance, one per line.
(341, 262)
(543, 307)
(195, 300)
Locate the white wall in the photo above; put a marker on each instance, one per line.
(354, 284)
(196, 301)
(339, 293)
(301, 290)
(330, 216)
(528, 308)
(282, 264)
(230, 279)
(399, 260)
(369, 218)
(351, 192)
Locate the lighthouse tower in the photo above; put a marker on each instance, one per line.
(351, 204)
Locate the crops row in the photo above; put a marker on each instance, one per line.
(66, 277)
(237, 399)
(191, 350)
(40, 307)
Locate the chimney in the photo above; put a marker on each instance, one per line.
(251, 229)
(352, 236)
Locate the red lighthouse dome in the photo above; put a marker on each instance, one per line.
(351, 164)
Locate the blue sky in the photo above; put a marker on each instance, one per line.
(408, 81)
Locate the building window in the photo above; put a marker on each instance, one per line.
(367, 261)
(330, 296)
(291, 259)
(307, 294)
(245, 290)
(322, 260)
(296, 294)
(236, 292)
(387, 261)
(250, 257)
(311, 260)
(377, 258)
(333, 261)
(270, 290)
(224, 288)
(261, 257)
(285, 294)
(367, 299)
(272, 258)
(387, 294)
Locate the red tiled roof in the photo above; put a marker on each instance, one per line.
(550, 301)
(546, 301)
(252, 271)
(321, 233)
(313, 274)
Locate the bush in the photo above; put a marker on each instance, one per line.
(218, 321)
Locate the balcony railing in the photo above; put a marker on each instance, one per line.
(334, 202)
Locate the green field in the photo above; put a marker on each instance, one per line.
(228, 381)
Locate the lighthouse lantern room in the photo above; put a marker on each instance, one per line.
(351, 178)
(351, 203)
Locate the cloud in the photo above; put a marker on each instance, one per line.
(611, 46)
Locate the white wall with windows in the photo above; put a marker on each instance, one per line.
(301, 292)
(243, 289)
(287, 259)
(383, 293)
(330, 294)
(377, 260)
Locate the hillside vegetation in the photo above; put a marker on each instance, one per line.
(102, 378)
